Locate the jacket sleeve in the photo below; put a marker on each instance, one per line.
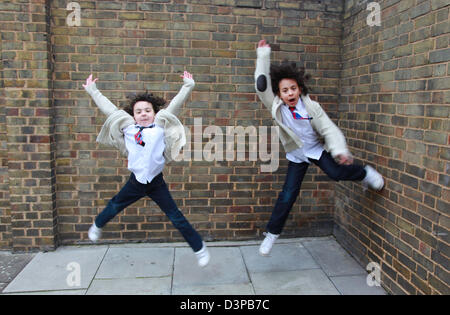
(100, 100)
(334, 138)
(263, 83)
(179, 99)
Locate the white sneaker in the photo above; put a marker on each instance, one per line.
(266, 246)
(373, 179)
(203, 256)
(94, 233)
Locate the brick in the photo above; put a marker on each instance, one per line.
(435, 137)
(131, 16)
(437, 4)
(440, 55)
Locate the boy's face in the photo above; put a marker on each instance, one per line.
(289, 92)
(143, 113)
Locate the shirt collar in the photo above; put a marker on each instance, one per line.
(298, 103)
(151, 126)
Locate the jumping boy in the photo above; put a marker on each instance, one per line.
(301, 120)
(149, 136)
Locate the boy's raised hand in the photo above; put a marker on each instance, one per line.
(89, 81)
(262, 43)
(187, 75)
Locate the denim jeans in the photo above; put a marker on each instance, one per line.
(158, 191)
(294, 177)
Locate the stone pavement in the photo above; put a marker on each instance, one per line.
(296, 267)
(11, 265)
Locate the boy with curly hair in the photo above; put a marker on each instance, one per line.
(301, 120)
(149, 136)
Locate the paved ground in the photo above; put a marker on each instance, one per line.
(296, 266)
(11, 265)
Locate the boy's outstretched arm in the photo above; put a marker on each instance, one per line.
(179, 99)
(263, 83)
(101, 101)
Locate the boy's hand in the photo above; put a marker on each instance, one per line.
(262, 43)
(345, 159)
(89, 81)
(187, 75)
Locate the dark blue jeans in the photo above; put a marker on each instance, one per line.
(158, 191)
(294, 177)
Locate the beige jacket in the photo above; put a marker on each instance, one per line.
(118, 119)
(334, 139)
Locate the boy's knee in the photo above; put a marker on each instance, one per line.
(286, 196)
(177, 218)
(114, 206)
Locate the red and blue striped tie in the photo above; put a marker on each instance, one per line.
(297, 115)
(138, 136)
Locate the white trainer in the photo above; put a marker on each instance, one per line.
(266, 246)
(94, 233)
(203, 256)
(373, 179)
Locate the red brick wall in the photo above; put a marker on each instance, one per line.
(394, 111)
(5, 214)
(386, 86)
(28, 220)
(133, 46)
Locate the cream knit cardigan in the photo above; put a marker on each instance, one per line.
(117, 119)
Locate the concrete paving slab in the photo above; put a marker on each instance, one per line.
(356, 285)
(296, 266)
(62, 292)
(218, 289)
(149, 245)
(283, 257)
(11, 265)
(225, 267)
(136, 262)
(333, 259)
(131, 286)
(298, 282)
(64, 269)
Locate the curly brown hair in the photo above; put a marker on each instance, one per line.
(288, 70)
(157, 102)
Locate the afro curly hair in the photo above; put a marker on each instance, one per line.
(288, 70)
(157, 102)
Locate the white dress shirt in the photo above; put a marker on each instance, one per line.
(145, 161)
(312, 148)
